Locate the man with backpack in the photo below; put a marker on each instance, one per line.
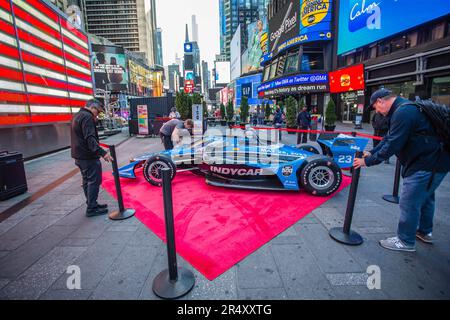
(420, 140)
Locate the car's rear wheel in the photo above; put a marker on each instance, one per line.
(152, 167)
(309, 148)
(320, 176)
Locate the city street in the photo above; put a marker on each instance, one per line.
(120, 259)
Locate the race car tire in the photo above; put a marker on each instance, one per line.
(320, 176)
(152, 166)
(309, 148)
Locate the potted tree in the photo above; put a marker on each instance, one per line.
(230, 113)
(291, 113)
(330, 116)
(244, 110)
(223, 121)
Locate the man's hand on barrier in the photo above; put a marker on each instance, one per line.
(358, 163)
(366, 154)
(107, 157)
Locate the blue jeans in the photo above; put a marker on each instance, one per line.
(91, 172)
(278, 126)
(417, 205)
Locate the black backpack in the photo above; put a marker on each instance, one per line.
(439, 116)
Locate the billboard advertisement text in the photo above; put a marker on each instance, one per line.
(110, 69)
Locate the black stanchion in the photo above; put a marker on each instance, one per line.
(176, 281)
(122, 213)
(394, 198)
(345, 235)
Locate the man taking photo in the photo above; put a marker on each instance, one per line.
(86, 151)
(413, 139)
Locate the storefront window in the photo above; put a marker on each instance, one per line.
(266, 72)
(438, 31)
(411, 39)
(312, 61)
(273, 69)
(291, 65)
(404, 89)
(383, 48)
(398, 44)
(440, 90)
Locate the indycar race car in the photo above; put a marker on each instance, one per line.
(247, 162)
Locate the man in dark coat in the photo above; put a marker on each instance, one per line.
(413, 139)
(303, 123)
(380, 126)
(86, 151)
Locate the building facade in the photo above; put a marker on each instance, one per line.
(233, 13)
(127, 23)
(173, 74)
(409, 56)
(159, 50)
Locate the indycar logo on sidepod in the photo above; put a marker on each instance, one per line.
(236, 171)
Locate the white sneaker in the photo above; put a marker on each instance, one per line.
(396, 244)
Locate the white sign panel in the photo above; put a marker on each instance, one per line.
(222, 72)
(197, 117)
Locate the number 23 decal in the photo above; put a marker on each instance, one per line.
(345, 159)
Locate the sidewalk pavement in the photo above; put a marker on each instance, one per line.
(120, 259)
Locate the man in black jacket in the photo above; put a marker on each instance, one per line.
(86, 151)
(412, 138)
(303, 123)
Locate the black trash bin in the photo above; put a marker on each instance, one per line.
(12, 175)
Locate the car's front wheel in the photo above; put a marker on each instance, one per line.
(153, 166)
(320, 176)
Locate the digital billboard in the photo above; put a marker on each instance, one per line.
(347, 79)
(45, 67)
(315, 19)
(257, 45)
(222, 72)
(248, 87)
(364, 22)
(284, 27)
(140, 78)
(109, 69)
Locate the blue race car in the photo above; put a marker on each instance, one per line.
(247, 162)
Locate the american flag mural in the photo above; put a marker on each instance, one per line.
(45, 70)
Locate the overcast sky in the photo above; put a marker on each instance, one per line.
(172, 16)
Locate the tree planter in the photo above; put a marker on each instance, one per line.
(329, 128)
(291, 132)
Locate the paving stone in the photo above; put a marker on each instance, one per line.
(331, 255)
(262, 294)
(39, 277)
(301, 275)
(123, 228)
(359, 293)
(4, 254)
(96, 262)
(77, 242)
(92, 227)
(66, 294)
(330, 217)
(126, 277)
(22, 258)
(144, 237)
(259, 270)
(4, 282)
(347, 279)
(25, 230)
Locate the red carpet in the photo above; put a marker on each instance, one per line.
(215, 228)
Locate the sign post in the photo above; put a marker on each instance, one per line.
(142, 119)
(197, 117)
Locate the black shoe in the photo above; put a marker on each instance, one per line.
(96, 212)
(102, 206)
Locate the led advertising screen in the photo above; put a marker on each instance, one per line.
(347, 79)
(248, 87)
(222, 72)
(140, 78)
(315, 19)
(364, 22)
(284, 27)
(257, 45)
(45, 67)
(109, 69)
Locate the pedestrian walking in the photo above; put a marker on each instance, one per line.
(86, 151)
(170, 128)
(303, 123)
(413, 139)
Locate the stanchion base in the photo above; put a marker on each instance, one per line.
(164, 288)
(391, 198)
(117, 215)
(352, 239)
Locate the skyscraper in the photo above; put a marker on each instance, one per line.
(194, 29)
(238, 12)
(205, 78)
(173, 74)
(128, 23)
(192, 61)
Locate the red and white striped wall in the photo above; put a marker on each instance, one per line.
(45, 70)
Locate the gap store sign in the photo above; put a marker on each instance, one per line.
(247, 87)
(362, 22)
